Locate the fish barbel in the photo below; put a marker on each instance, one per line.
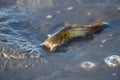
(60, 37)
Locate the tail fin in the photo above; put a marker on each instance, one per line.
(100, 25)
(96, 27)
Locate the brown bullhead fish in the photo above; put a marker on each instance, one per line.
(66, 33)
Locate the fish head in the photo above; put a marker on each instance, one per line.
(56, 39)
(49, 45)
(52, 42)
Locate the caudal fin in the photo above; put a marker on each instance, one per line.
(100, 25)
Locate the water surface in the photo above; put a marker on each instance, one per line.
(24, 26)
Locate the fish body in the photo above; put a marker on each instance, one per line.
(69, 32)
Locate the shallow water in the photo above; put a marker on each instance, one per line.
(25, 24)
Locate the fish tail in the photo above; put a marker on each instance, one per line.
(87, 29)
(96, 27)
(100, 25)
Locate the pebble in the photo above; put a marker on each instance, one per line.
(112, 61)
(49, 16)
(70, 8)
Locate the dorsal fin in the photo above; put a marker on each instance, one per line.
(67, 24)
(98, 25)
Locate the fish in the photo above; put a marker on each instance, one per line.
(68, 32)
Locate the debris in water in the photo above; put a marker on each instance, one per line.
(5, 55)
(19, 56)
(103, 41)
(70, 8)
(112, 61)
(13, 56)
(66, 33)
(26, 66)
(49, 16)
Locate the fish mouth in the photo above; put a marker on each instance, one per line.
(48, 46)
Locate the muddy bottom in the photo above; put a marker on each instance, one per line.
(25, 24)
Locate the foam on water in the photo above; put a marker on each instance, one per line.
(87, 65)
(112, 61)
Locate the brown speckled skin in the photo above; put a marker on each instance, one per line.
(69, 32)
